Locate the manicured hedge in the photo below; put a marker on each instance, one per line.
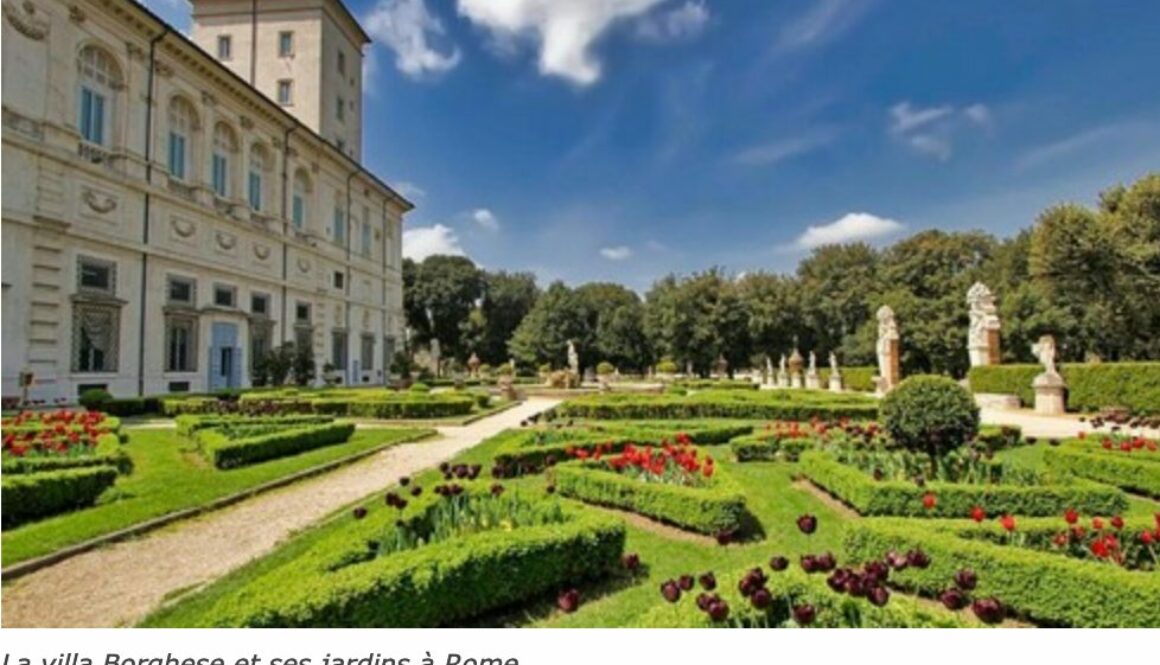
(716, 384)
(1045, 587)
(108, 452)
(764, 405)
(176, 406)
(887, 497)
(226, 453)
(716, 508)
(1090, 387)
(189, 424)
(858, 379)
(29, 496)
(439, 584)
(1134, 472)
(793, 587)
(768, 446)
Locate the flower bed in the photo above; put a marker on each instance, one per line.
(29, 496)
(531, 450)
(744, 404)
(1132, 543)
(64, 439)
(868, 496)
(232, 446)
(357, 578)
(673, 484)
(786, 590)
(788, 440)
(1132, 464)
(1042, 586)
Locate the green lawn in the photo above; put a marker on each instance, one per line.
(168, 476)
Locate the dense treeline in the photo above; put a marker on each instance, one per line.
(1091, 277)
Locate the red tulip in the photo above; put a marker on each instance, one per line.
(1071, 516)
(568, 601)
(978, 514)
(1118, 522)
(1008, 522)
(1097, 523)
(929, 501)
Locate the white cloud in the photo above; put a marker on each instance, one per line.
(767, 154)
(424, 241)
(825, 20)
(906, 117)
(486, 219)
(410, 190)
(407, 28)
(928, 144)
(684, 22)
(564, 30)
(978, 113)
(618, 253)
(850, 227)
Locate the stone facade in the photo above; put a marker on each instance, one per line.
(165, 222)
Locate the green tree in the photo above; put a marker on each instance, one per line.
(699, 319)
(507, 299)
(439, 295)
(837, 284)
(543, 335)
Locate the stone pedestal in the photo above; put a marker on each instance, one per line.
(836, 383)
(507, 388)
(893, 369)
(796, 380)
(1049, 394)
(782, 380)
(812, 381)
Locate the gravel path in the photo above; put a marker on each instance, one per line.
(1048, 426)
(119, 584)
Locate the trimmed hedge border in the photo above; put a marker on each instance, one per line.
(793, 587)
(857, 379)
(434, 585)
(1119, 469)
(768, 446)
(871, 497)
(710, 510)
(189, 424)
(108, 452)
(1090, 387)
(30, 496)
(226, 453)
(1047, 588)
(739, 404)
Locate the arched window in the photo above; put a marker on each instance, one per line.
(259, 164)
(100, 80)
(225, 147)
(298, 205)
(182, 126)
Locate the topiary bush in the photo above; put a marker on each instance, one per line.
(420, 388)
(667, 367)
(605, 368)
(931, 414)
(94, 398)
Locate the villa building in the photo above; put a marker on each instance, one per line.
(174, 207)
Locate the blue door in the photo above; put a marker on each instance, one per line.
(225, 357)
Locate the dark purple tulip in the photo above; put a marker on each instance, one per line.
(404, 481)
(761, 598)
(685, 582)
(989, 610)
(568, 601)
(826, 562)
(718, 610)
(953, 599)
(359, 513)
(671, 591)
(966, 579)
(550, 489)
(631, 562)
(804, 615)
(807, 524)
(708, 581)
(497, 489)
(896, 560)
(809, 563)
(703, 600)
(837, 579)
(920, 481)
(917, 559)
(878, 596)
(416, 490)
(778, 563)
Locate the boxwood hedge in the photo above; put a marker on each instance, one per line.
(887, 497)
(793, 587)
(718, 507)
(225, 452)
(1090, 387)
(189, 424)
(1045, 587)
(108, 452)
(29, 496)
(1135, 472)
(858, 379)
(336, 585)
(767, 446)
(756, 405)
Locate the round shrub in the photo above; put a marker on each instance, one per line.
(667, 367)
(420, 388)
(931, 414)
(605, 368)
(94, 398)
(504, 370)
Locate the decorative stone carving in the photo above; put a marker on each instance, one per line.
(782, 374)
(226, 241)
(889, 368)
(184, 228)
(303, 265)
(136, 51)
(98, 203)
(473, 364)
(26, 20)
(1049, 386)
(76, 14)
(835, 374)
(983, 336)
(246, 122)
(769, 374)
(795, 369)
(573, 358)
(812, 380)
(164, 70)
(208, 99)
(261, 252)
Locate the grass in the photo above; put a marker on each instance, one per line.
(168, 476)
(772, 498)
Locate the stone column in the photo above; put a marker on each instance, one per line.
(983, 335)
(889, 365)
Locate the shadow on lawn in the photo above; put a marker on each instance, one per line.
(544, 606)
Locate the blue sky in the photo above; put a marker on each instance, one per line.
(625, 139)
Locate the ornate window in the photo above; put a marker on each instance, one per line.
(225, 146)
(338, 350)
(180, 343)
(96, 336)
(338, 226)
(299, 205)
(367, 353)
(182, 126)
(99, 80)
(225, 296)
(259, 165)
(181, 291)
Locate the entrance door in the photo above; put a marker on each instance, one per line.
(225, 357)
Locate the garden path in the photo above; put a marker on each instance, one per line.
(1049, 426)
(119, 584)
